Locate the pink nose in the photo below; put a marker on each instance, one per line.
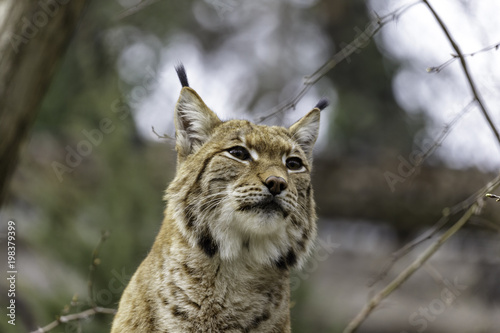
(276, 185)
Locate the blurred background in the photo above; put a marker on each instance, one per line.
(91, 162)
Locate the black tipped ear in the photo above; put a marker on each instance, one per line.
(305, 131)
(181, 73)
(194, 122)
(323, 103)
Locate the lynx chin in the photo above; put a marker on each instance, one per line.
(240, 215)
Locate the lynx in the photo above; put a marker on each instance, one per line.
(240, 215)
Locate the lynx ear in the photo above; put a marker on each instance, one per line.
(305, 131)
(194, 122)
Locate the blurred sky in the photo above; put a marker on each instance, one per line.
(419, 42)
(227, 77)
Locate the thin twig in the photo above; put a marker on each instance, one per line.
(437, 69)
(434, 273)
(407, 248)
(164, 136)
(441, 222)
(439, 279)
(446, 130)
(357, 44)
(404, 275)
(90, 284)
(475, 92)
(415, 265)
(447, 212)
(440, 138)
(74, 316)
(93, 266)
(494, 196)
(484, 223)
(134, 9)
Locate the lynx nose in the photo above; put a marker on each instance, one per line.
(276, 184)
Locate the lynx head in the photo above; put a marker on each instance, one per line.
(243, 191)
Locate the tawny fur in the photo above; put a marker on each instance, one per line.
(222, 258)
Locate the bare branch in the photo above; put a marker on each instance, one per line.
(442, 221)
(437, 69)
(444, 133)
(134, 9)
(422, 259)
(494, 196)
(447, 212)
(94, 308)
(437, 277)
(395, 256)
(357, 44)
(475, 92)
(441, 137)
(164, 136)
(74, 316)
(404, 275)
(93, 266)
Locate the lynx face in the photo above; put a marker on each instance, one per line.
(240, 213)
(243, 190)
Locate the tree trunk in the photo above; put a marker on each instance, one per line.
(33, 38)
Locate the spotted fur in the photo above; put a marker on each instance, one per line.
(222, 258)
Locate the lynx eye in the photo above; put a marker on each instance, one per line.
(294, 163)
(240, 153)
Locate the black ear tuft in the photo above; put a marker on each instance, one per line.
(181, 73)
(323, 103)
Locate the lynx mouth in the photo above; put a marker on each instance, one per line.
(267, 206)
